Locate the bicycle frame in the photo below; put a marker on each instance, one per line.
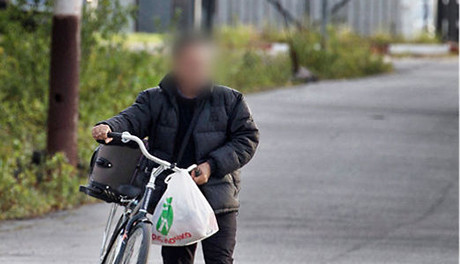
(133, 212)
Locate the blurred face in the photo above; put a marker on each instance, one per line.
(192, 66)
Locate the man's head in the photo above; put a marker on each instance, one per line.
(192, 61)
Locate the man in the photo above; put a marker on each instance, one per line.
(189, 120)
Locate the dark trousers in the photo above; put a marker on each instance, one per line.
(216, 249)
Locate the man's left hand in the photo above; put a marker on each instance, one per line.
(205, 170)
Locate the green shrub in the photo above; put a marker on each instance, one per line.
(422, 38)
(237, 37)
(30, 189)
(346, 55)
(249, 70)
(243, 65)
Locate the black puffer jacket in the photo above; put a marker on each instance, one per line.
(225, 133)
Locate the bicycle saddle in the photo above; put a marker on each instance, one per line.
(129, 191)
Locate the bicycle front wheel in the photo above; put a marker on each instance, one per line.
(138, 245)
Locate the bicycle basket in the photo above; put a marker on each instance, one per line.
(112, 169)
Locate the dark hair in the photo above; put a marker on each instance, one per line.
(188, 39)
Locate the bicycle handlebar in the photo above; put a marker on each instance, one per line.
(115, 135)
(125, 137)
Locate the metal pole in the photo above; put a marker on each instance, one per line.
(64, 79)
(324, 21)
(425, 15)
(197, 14)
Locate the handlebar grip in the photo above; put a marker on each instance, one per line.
(114, 135)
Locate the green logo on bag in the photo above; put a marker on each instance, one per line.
(166, 218)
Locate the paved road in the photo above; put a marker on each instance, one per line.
(360, 171)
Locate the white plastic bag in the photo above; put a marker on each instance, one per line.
(183, 216)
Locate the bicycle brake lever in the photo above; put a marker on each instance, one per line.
(197, 172)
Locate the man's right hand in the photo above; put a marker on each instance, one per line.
(100, 133)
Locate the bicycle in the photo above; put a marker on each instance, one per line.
(130, 239)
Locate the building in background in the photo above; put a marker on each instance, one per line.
(160, 15)
(407, 18)
(363, 16)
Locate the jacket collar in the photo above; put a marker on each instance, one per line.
(168, 85)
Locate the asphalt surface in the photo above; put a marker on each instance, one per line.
(357, 171)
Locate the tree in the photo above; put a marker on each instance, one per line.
(64, 79)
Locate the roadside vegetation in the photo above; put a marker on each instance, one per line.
(345, 55)
(111, 75)
(386, 39)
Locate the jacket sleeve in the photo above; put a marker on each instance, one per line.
(135, 119)
(242, 142)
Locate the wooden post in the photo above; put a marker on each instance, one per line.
(64, 79)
